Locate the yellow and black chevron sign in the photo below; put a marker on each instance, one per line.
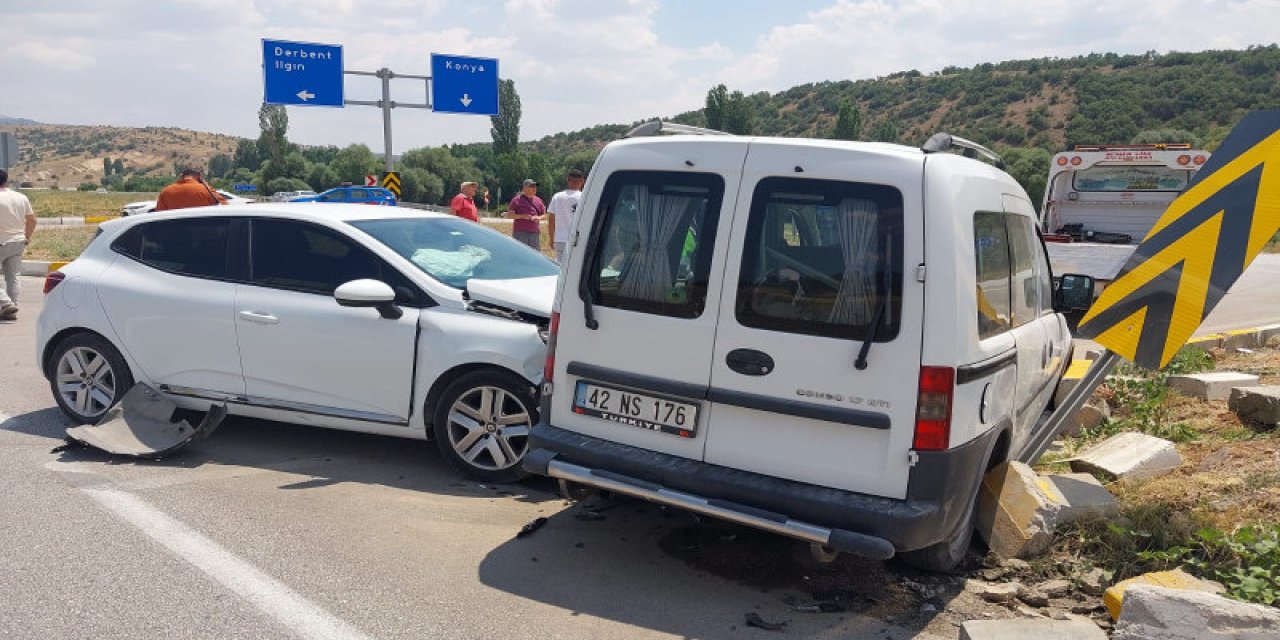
(391, 182)
(1196, 251)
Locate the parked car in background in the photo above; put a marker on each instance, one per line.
(147, 206)
(286, 196)
(356, 195)
(419, 325)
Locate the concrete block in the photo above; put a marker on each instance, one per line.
(1265, 334)
(1259, 404)
(1071, 378)
(1211, 385)
(1017, 511)
(1039, 628)
(1088, 416)
(1241, 339)
(1171, 614)
(1114, 597)
(1129, 456)
(1085, 497)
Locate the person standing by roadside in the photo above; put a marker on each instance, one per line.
(464, 204)
(561, 211)
(17, 223)
(527, 210)
(189, 191)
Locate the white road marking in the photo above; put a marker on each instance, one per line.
(269, 595)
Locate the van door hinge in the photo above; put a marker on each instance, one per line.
(912, 458)
(920, 273)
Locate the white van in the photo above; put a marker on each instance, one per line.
(830, 340)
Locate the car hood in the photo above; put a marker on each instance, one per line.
(527, 295)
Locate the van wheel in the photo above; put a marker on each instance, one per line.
(89, 377)
(946, 555)
(482, 424)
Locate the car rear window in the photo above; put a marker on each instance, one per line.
(190, 247)
(651, 242)
(822, 258)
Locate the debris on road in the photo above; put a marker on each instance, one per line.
(1129, 456)
(1002, 593)
(754, 620)
(1211, 385)
(1260, 404)
(531, 526)
(1017, 511)
(1039, 628)
(142, 426)
(1088, 416)
(1085, 497)
(1174, 614)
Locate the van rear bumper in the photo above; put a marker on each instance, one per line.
(941, 489)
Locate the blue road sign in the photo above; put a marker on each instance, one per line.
(302, 73)
(246, 187)
(464, 85)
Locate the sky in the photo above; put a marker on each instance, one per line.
(197, 64)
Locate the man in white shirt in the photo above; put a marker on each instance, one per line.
(563, 207)
(17, 223)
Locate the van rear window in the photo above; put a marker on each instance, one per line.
(823, 258)
(651, 242)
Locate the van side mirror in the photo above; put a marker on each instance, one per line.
(369, 293)
(1074, 292)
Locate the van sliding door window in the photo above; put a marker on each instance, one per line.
(651, 242)
(823, 258)
(991, 251)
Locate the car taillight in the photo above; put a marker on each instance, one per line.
(933, 409)
(549, 367)
(52, 280)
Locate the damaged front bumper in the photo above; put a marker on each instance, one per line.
(142, 426)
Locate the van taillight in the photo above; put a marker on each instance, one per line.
(52, 280)
(549, 368)
(933, 409)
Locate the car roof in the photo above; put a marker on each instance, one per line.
(886, 148)
(307, 211)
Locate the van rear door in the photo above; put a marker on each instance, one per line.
(821, 272)
(640, 297)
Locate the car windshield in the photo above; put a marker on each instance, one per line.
(453, 250)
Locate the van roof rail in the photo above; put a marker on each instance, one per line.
(658, 126)
(969, 149)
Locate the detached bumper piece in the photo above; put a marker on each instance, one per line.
(142, 426)
(837, 539)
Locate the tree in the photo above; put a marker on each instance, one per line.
(740, 115)
(284, 184)
(273, 121)
(717, 106)
(884, 131)
(321, 177)
(848, 122)
(1030, 167)
(506, 125)
(353, 162)
(219, 165)
(1167, 135)
(246, 156)
(441, 163)
(512, 169)
(106, 170)
(117, 166)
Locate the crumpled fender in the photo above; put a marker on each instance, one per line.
(142, 426)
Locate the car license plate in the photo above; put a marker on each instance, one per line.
(636, 409)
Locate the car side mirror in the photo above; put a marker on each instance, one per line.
(1074, 292)
(369, 293)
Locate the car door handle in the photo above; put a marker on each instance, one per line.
(749, 362)
(259, 317)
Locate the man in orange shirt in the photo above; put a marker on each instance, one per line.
(189, 191)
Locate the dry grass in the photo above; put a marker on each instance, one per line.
(53, 204)
(60, 243)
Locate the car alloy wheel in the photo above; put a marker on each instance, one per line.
(482, 422)
(86, 381)
(489, 428)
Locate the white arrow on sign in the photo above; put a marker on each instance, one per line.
(466, 100)
(305, 95)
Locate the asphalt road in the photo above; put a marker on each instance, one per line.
(1254, 300)
(271, 530)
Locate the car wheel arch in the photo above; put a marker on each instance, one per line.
(46, 358)
(445, 379)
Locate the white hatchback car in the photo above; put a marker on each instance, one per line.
(417, 325)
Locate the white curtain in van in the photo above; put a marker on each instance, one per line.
(855, 301)
(646, 274)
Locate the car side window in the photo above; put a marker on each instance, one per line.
(991, 255)
(822, 258)
(1025, 283)
(1044, 274)
(190, 247)
(298, 256)
(652, 240)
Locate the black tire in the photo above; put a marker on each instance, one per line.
(944, 556)
(79, 359)
(479, 444)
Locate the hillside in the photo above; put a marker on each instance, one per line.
(66, 156)
(1046, 103)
